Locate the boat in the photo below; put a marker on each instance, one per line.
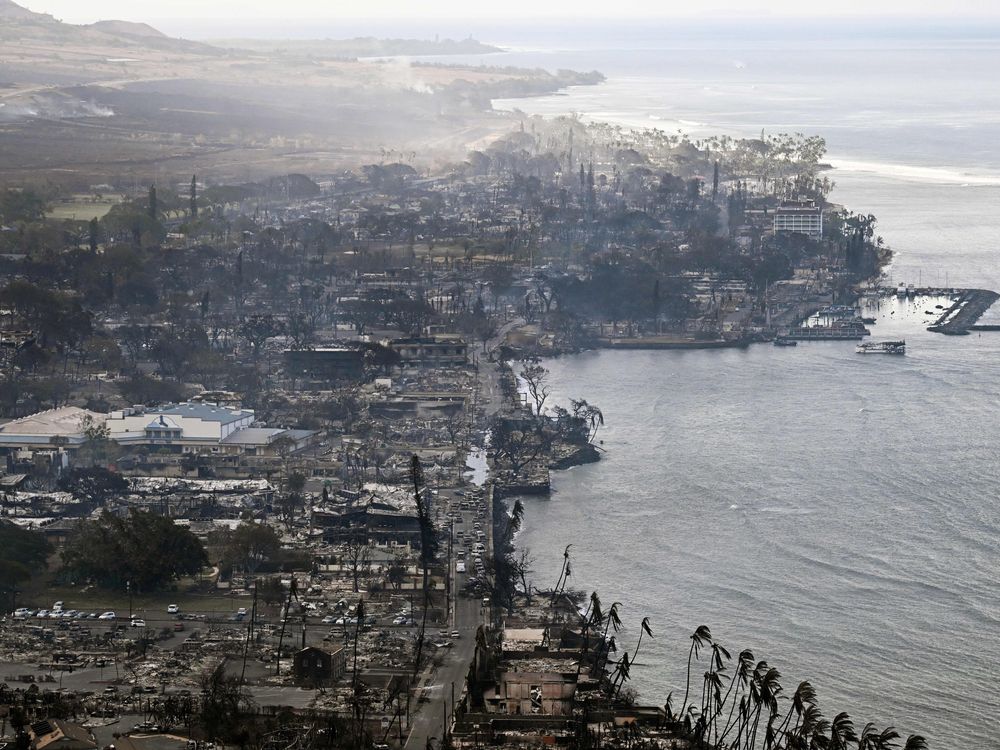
(839, 332)
(783, 341)
(901, 290)
(881, 347)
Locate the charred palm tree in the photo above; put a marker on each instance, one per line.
(748, 704)
(841, 732)
(809, 725)
(711, 699)
(915, 742)
(700, 637)
(563, 574)
(620, 674)
(803, 697)
(593, 617)
(613, 620)
(644, 629)
(740, 680)
(769, 688)
(872, 739)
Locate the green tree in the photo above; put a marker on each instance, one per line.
(93, 234)
(146, 550)
(22, 553)
(249, 545)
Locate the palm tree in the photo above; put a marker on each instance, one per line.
(699, 638)
(915, 742)
(612, 620)
(622, 672)
(841, 732)
(713, 684)
(810, 725)
(564, 573)
(593, 616)
(768, 697)
(803, 697)
(643, 629)
(711, 696)
(741, 678)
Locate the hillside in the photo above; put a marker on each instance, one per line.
(127, 27)
(120, 102)
(360, 47)
(11, 11)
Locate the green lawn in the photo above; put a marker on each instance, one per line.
(81, 208)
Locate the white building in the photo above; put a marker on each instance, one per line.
(189, 425)
(800, 218)
(49, 430)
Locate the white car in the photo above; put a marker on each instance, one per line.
(57, 607)
(138, 622)
(107, 616)
(22, 612)
(173, 609)
(242, 611)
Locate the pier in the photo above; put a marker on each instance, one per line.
(966, 310)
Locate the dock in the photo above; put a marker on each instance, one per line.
(968, 307)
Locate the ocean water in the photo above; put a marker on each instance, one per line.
(836, 514)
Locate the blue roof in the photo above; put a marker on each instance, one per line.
(204, 412)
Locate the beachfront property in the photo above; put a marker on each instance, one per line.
(799, 217)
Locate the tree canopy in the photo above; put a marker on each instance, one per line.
(146, 549)
(21, 552)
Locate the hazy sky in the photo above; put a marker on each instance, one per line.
(85, 11)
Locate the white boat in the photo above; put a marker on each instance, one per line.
(881, 347)
(901, 290)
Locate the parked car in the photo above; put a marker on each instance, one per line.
(173, 609)
(138, 622)
(107, 616)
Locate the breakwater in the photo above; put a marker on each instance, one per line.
(966, 310)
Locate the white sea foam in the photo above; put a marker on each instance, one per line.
(915, 173)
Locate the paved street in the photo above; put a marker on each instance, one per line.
(427, 719)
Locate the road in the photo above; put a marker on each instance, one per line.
(427, 720)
